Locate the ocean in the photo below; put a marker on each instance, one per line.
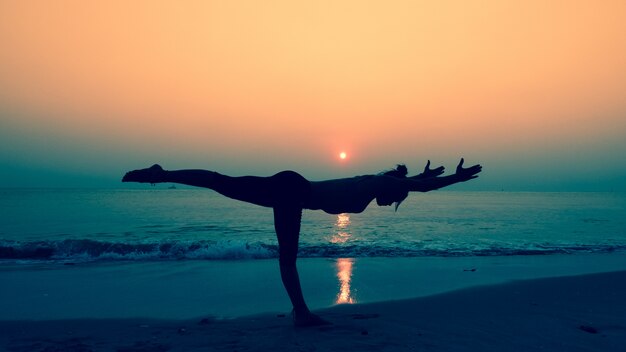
(162, 224)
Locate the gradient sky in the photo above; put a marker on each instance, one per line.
(533, 90)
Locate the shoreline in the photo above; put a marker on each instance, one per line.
(572, 313)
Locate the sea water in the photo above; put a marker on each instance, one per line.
(160, 224)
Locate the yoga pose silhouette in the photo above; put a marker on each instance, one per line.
(288, 193)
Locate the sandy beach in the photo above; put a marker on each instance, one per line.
(580, 313)
(568, 313)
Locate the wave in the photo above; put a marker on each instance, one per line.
(84, 250)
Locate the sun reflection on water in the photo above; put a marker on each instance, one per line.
(342, 223)
(343, 220)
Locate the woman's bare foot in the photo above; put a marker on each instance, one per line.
(153, 174)
(309, 319)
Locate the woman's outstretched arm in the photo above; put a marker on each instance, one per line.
(428, 184)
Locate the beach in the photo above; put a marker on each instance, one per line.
(514, 303)
(580, 313)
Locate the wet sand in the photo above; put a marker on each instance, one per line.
(229, 289)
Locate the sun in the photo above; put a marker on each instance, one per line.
(343, 155)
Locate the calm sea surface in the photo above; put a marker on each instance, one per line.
(78, 225)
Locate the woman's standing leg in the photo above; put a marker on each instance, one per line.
(287, 225)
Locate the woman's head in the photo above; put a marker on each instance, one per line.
(400, 171)
(394, 193)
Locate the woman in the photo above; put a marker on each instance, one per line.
(288, 193)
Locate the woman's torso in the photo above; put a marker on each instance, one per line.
(346, 195)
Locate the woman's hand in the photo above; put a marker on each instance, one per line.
(465, 174)
(428, 172)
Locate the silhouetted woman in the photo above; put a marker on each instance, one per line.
(288, 193)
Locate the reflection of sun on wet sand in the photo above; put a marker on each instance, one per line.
(344, 274)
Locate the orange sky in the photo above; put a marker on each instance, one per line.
(296, 82)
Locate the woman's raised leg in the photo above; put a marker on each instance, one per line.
(251, 189)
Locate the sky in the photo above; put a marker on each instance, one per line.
(535, 91)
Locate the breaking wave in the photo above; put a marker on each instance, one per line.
(84, 250)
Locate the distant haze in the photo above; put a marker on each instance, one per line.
(533, 90)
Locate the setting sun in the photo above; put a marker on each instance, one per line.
(343, 155)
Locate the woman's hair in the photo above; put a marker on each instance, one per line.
(400, 172)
